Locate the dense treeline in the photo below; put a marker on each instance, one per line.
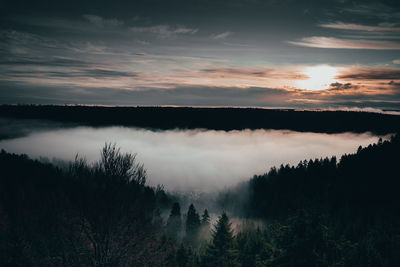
(210, 118)
(364, 183)
(329, 213)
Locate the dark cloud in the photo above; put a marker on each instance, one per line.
(381, 10)
(84, 73)
(102, 22)
(393, 83)
(368, 73)
(260, 72)
(164, 31)
(340, 86)
(48, 62)
(108, 73)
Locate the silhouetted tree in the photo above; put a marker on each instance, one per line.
(192, 225)
(205, 218)
(174, 223)
(115, 205)
(220, 251)
(185, 256)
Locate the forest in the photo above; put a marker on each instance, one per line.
(322, 212)
(219, 118)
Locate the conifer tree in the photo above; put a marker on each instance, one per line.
(192, 224)
(182, 258)
(220, 250)
(205, 218)
(186, 256)
(174, 222)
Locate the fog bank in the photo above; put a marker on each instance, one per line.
(191, 160)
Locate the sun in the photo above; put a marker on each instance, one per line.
(320, 77)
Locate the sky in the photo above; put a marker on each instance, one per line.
(261, 53)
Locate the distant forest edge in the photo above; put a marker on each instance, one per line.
(227, 119)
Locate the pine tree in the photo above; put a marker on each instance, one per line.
(174, 222)
(186, 257)
(182, 256)
(220, 250)
(192, 225)
(205, 218)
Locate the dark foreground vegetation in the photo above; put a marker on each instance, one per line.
(100, 215)
(210, 118)
(319, 213)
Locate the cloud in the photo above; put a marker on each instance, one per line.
(358, 27)
(336, 43)
(102, 74)
(341, 86)
(39, 46)
(374, 9)
(255, 72)
(394, 83)
(48, 62)
(164, 31)
(102, 22)
(370, 73)
(26, 41)
(108, 73)
(221, 36)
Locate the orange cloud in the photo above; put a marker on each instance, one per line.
(336, 43)
(358, 27)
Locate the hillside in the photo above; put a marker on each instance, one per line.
(345, 211)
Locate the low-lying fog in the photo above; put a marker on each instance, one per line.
(195, 160)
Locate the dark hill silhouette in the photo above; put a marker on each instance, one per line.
(210, 118)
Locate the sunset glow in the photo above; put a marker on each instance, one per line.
(320, 77)
(335, 54)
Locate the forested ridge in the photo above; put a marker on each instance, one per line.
(329, 212)
(223, 118)
(322, 212)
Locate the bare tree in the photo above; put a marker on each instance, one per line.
(117, 209)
